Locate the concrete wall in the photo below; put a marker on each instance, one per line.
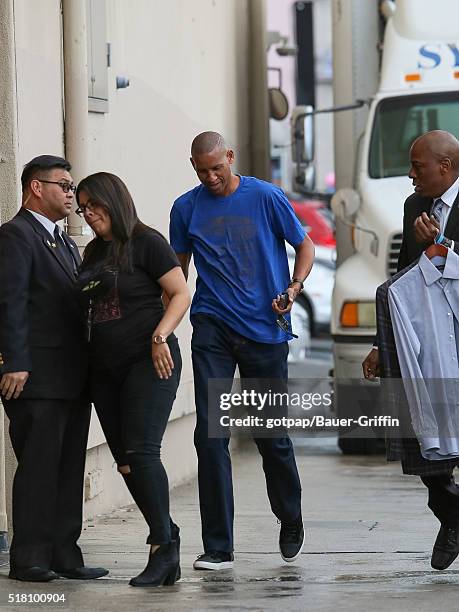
(186, 62)
(8, 191)
(39, 78)
(188, 75)
(188, 65)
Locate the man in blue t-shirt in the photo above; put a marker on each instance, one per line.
(236, 227)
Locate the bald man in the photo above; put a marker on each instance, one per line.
(433, 210)
(236, 227)
(434, 170)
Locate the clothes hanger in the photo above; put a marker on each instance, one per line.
(436, 250)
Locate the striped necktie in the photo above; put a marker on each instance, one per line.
(436, 211)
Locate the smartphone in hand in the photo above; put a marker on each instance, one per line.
(283, 300)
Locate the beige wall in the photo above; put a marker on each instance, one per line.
(186, 65)
(31, 126)
(188, 68)
(38, 38)
(186, 62)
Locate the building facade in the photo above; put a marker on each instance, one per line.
(124, 87)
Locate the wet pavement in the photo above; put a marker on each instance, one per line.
(368, 542)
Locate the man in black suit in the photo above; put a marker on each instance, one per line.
(434, 170)
(43, 369)
(431, 212)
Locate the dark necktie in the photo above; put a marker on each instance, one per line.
(64, 249)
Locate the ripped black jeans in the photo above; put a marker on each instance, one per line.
(133, 405)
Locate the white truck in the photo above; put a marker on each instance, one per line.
(402, 59)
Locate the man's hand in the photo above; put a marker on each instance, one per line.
(426, 229)
(371, 365)
(292, 293)
(12, 384)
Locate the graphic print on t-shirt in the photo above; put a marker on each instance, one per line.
(235, 237)
(107, 307)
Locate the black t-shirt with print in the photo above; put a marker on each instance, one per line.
(127, 307)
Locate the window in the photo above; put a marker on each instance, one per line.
(98, 58)
(399, 121)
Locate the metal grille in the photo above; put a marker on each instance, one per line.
(392, 255)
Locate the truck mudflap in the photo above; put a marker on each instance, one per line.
(345, 339)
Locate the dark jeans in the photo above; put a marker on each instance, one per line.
(443, 497)
(49, 440)
(216, 350)
(133, 405)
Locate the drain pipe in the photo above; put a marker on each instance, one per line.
(76, 102)
(9, 179)
(9, 191)
(258, 91)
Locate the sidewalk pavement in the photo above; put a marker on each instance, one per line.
(369, 537)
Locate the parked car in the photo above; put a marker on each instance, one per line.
(315, 298)
(318, 219)
(311, 311)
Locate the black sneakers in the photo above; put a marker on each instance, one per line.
(214, 560)
(291, 539)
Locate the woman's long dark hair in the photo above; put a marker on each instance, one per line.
(109, 191)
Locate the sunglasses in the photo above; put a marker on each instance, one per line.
(285, 326)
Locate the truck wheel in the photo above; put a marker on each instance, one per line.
(345, 407)
(361, 446)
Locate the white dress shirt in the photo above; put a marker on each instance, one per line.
(448, 198)
(47, 223)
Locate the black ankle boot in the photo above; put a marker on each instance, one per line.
(175, 535)
(162, 568)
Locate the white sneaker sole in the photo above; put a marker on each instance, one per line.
(291, 559)
(207, 565)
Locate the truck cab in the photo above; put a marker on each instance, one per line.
(417, 68)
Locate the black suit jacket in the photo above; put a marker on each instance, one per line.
(411, 250)
(415, 205)
(41, 326)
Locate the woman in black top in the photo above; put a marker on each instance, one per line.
(135, 357)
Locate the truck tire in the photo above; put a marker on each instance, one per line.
(361, 446)
(349, 442)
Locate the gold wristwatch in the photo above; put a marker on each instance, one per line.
(159, 339)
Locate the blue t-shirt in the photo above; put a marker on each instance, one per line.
(238, 245)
